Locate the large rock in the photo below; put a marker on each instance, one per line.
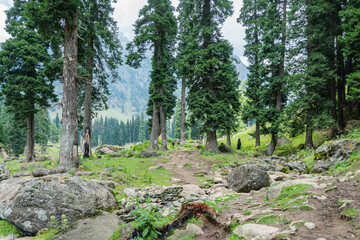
(248, 177)
(101, 227)
(28, 203)
(148, 154)
(105, 150)
(273, 192)
(113, 148)
(337, 151)
(225, 149)
(190, 231)
(283, 141)
(256, 231)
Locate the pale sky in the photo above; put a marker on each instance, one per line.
(126, 13)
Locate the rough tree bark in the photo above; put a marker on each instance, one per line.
(257, 135)
(163, 122)
(153, 144)
(228, 139)
(69, 142)
(30, 142)
(86, 139)
(182, 119)
(341, 85)
(211, 142)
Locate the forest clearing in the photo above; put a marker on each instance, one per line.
(205, 136)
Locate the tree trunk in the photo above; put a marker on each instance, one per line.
(211, 142)
(341, 85)
(309, 139)
(182, 119)
(30, 142)
(228, 139)
(86, 139)
(69, 140)
(257, 135)
(271, 148)
(153, 144)
(163, 123)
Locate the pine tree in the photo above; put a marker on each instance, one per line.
(251, 17)
(142, 126)
(27, 75)
(156, 28)
(42, 128)
(351, 40)
(213, 97)
(100, 45)
(59, 20)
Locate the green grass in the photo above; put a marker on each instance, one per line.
(350, 213)
(272, 219)
(7, 228)
(290, 197)
(48, 235)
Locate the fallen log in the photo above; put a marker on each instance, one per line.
(40, 172)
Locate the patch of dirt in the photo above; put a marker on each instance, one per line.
(325, 214)
(185, 163)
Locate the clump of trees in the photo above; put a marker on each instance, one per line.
(304, 68)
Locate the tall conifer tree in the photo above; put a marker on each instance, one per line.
(212, 79)
(156, 28)
(26, 72)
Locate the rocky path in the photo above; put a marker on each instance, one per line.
(185, 163)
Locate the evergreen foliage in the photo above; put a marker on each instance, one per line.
(212, 78)
(27, 72)
(114, 132)
(156, 29)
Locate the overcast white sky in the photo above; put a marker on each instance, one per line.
(126, 12)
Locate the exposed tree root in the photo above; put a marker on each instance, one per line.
(187, 212)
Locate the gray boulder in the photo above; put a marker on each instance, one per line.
(256, 231)
(225, 149)
(337, 151)
(283, 141)
(248, 177)
(105, 150)
(296, 165)
(28, 203)
(101, 227)
(148, 154)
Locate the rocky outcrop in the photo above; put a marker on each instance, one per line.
(28, 203)
(148, 154)
(327, 155)
(225, 149)
(248, 177)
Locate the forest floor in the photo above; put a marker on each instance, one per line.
(321, 206)
(311, 207)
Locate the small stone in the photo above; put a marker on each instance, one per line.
(177, 204)
(155, 167)
(175, 180)
(218, 180)
(321, 198)
(166, 212)
(309, 225)
(129, 192)
(321, 239)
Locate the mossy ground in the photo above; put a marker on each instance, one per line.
(7, 228)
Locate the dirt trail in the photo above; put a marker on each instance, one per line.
(185, 163)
